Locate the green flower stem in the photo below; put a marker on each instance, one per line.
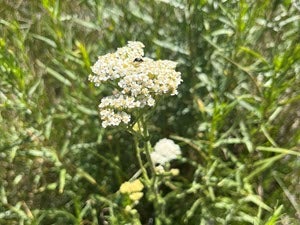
(141, 134)
(153, 184)
(138, 154)
(147, 144)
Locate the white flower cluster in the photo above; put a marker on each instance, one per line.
(165, 150)
(138, 80)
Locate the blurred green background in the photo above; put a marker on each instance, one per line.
(236, 118)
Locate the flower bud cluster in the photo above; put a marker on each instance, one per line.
(133, 189)
(139, 81)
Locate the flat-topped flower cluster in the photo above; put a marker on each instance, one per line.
(138, 81)
(165, 150)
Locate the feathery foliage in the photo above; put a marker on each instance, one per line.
(236, 117)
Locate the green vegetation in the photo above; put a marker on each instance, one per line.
(236, 117)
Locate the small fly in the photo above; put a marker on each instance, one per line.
(138, 60)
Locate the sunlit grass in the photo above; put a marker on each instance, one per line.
(236, 117)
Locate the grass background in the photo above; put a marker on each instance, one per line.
(236, 118)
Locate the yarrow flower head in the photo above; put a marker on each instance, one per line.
(138, 80)
(165, 150)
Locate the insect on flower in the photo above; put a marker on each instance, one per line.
(138, 60)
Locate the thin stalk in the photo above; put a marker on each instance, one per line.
(147, 144)
(158, 204)
(138, 155)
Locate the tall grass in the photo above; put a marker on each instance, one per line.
(236, 117)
